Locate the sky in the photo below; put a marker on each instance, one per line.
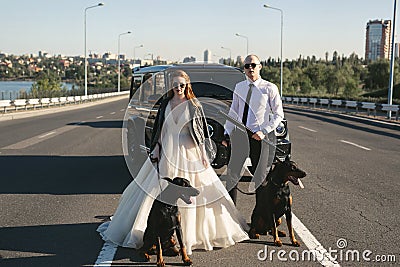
(176, 29)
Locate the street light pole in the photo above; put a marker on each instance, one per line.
(86, 82)
(230, 54)
(280, 10)
(247, 42)
(134, 52)
(119, 64)
(390, 91)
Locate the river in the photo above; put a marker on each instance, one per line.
(11, 89)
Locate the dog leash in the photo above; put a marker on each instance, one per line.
(244, 128)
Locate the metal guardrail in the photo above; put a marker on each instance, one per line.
(25, 104)
(346, 105)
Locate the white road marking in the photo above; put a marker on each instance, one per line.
(308, 129)
(37, 139)
(122, 110)
(106, 255)
(319, 252)
(99, 117)
(353, 144)
(45, 135)
(112, 113)
(6, 254)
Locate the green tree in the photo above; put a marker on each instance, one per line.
(378, 75)
(47, 86)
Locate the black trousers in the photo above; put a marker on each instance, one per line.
(261, 156)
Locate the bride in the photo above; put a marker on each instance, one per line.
(178, 137)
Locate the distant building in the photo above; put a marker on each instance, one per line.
(378, 39)
(207, 55)
(43, 54)
(189, 59)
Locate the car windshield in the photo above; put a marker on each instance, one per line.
(205, 89)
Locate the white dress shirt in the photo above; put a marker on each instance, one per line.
(265, 107)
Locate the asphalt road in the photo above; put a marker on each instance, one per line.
(62, 175)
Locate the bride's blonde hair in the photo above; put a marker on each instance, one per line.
(188, 90)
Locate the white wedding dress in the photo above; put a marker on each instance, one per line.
(212, 219)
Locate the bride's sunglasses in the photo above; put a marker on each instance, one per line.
(181, 85)
(253, 65)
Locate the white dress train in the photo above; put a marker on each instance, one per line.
(212, 219)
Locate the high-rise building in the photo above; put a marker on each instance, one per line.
(207, 55)
(378, 39)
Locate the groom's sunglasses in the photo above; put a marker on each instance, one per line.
(253, 65)
(181, 85)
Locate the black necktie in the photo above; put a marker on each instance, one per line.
(246, 105)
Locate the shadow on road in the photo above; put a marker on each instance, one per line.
(50, 245)
(63, 175)
(100, 124)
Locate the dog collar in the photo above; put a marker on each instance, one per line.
(277, 185)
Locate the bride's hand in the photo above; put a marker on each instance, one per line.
(205, 162)
(155, 155)
(204, 158)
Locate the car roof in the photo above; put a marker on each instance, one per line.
(145, 70)
(188, 66)
(204, 65)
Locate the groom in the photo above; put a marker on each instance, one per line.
(258, 105)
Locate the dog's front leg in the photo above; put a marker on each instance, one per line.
(160, 260)
(277, 241)
(288, 215)
(185, 257)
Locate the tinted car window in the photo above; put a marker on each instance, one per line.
(202, 89)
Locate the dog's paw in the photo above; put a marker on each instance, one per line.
(295, 243)
(187, 261)
(278, 243)
(253, 234)
(147, 257)
(161, 264)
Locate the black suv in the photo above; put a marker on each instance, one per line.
(212, 84)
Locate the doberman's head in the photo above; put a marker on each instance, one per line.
(285, 171)
(179, 188)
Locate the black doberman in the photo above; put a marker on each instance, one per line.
(164, 219)
(273, 199)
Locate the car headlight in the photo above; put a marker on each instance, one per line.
(280, 130)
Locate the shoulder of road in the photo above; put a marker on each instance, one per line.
(20, 114)
(377, 121)
(380, 121)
